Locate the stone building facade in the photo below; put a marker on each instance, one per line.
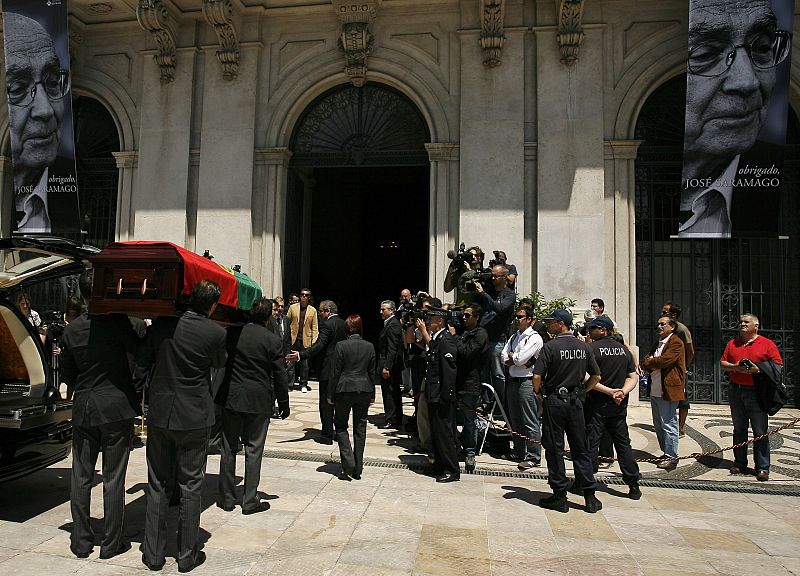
(529, 109)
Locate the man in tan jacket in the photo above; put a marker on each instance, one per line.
(305, 329)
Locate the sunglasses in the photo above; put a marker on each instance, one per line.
(467, 315)
(522, 317)
(306, 294)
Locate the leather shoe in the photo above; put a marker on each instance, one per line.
(386, 426)
(325, 440)
(736, 470)
(225, 507)
(634, 493)
(105, 555)
(84, 554)
(557, 502)
(189, 566)
(668, 465)
(153, 567)
(447, 477)
(258, 507)
(356, 476)
(593, 505)
(762, 476)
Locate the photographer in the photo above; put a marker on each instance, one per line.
(498, 305)
(471, 350)
(456, 279)
(743, 360)
(500, 258)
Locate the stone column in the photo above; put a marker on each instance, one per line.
(269, 218)
(225, 185)
(126, 164)
(527, 281)
(492, 137)
(7, 217)
(620, 234)
(570, 179)
(159, 204)
(444, 210)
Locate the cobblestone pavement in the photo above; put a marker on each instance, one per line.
(398, 521)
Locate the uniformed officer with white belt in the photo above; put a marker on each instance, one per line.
(560, 375)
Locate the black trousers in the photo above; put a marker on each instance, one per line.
(610, 419)
(352, 456)
(392, 390)
(252, 430)
(559, 418)
(174, 457)
(325, 410)
(301, 366)
(442, 417)
(113, 440)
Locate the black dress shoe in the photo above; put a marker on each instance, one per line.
(447, 477)
(387, 426)
(82, 554)
(557, 502)
(189, 566)
(259, 507)
(593, 505)
(153, 567)
(325, 440)
(356, 476)
(105, 555)
(226, 507)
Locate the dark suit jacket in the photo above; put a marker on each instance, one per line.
(182, 354)
(331, 331)
(255, 372)
(97, 356)
(440, 380)
(390, 345)
(353, 367)
(672, 364)
(286, 342)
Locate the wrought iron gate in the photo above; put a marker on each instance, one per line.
(714, 281)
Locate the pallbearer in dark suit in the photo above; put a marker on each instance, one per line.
(255, 375)
(97, 355)
(331, 331)
(184, 352)
(440, 391)
(390, 366)
(352, 387)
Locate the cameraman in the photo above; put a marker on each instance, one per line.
(498, 305)
(472, 259)
(500, 258)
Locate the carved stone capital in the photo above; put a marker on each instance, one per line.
(219, 13)
(570, 30)
(442, 151)
(126, 158)
(621, 149)
(273, 156)
(356, 40)
(154, 18)
(492, 38)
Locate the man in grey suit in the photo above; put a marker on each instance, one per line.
(390, 366)
(183, 352)
(255, 375)
(97, 355)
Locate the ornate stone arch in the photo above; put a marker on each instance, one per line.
(299, 90)
(116, 100)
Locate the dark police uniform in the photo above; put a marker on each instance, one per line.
(602, 413)
(440, 391)
(563, 364)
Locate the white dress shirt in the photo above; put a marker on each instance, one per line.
(656, 387)
(523, 346)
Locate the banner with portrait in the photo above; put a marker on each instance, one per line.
(737, 101)
(36, 42)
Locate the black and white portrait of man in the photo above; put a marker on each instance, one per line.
(38, 87)
(732, 164)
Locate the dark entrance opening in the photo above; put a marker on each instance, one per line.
(714, 281)
(357, 229)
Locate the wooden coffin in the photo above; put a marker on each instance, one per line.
(150, 279)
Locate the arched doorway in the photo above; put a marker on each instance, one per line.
(357, 228)
(714, 281)
(96, 138)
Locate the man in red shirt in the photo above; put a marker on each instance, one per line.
(739, 360)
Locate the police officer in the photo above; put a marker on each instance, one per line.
(559, 376)
(607, 410)
(440, 391)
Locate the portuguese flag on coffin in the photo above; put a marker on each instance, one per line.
(149, 279)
